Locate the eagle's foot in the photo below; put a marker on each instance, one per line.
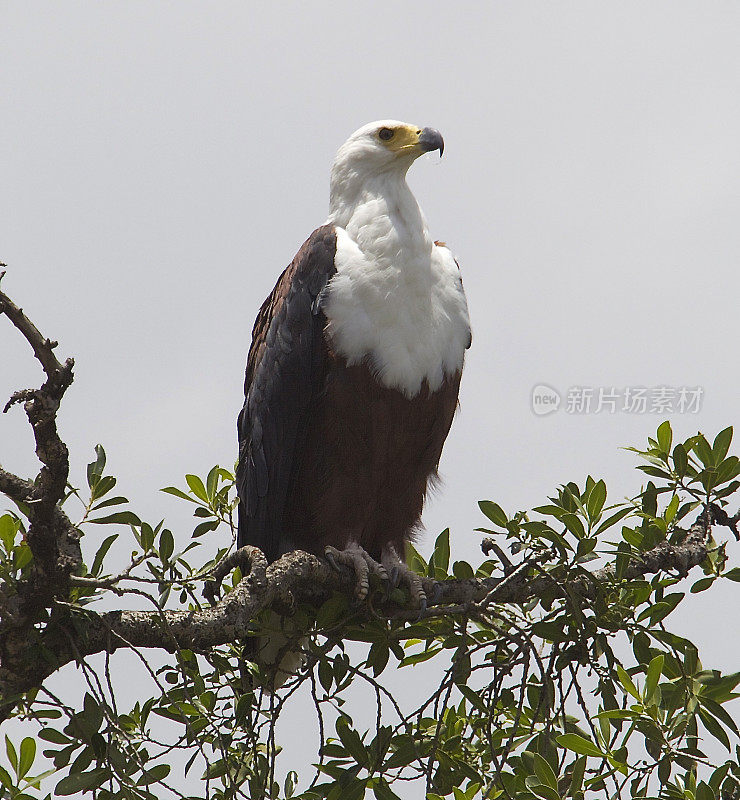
(361, 562)
(402, 575)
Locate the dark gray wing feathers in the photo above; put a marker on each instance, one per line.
(284, 373)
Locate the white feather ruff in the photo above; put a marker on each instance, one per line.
(397, 299)
(409, 320)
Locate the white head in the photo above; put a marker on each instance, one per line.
(378, 152)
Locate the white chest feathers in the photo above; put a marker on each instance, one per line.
(406, 315)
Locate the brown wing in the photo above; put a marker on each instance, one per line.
(285, 370)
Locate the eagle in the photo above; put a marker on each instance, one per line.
(353, 372)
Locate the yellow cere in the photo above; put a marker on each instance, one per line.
(404, 137)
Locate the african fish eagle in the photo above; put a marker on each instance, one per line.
(354, 369)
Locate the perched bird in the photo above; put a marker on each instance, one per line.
(354, 369)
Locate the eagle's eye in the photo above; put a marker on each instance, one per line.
(385, 134)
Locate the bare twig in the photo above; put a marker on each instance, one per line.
(43, 348)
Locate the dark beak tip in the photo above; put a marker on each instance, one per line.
(431, 139)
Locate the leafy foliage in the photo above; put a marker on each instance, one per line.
(581, 691)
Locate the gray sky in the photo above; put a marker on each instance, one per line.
(162, 162)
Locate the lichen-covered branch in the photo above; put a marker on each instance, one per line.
(41, 406)
(17, 489)
(52, 538)
(300, 577)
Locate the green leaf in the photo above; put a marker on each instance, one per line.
(574, 525)
(87, 722)
(576, 743)
(721, 445)
(473, 698)
(111, 501)
(382, 791)
(119, 518)
(540, 789)
(719, 774)
(414, 560)
(596, 500)
(716, 710)
(704, 792)
(462, 571)
(552, 631)
(166, 544)
(377, 658)
(52, 735)
(576, 775)
(420, 657)
(11, 753)
(97, 564)
(702, 584)
(212, 482)
(103, 486)
(326, 675)
(654, 671)
(291, 780)
(494, 512)
(627, 682)
(173, 490)
(650, 499)
(662, 609)
(352, 742)
(81, 781)
(733, 574)
(704, 451)
(196, 487)
(22, 556)
(728, 469)
(440, 560)
(8, 530)
(5, 779)
(205, 527)
(665, 437)
(680, 460)
(654, 472)
(672, 508)
(332, 612)
(156, 773)
(714, 727)
(544, 772)
(95, 469)
(27, 756)
(614, 518)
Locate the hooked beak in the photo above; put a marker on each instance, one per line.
(431, 139)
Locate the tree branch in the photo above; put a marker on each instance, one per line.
(53, 540)
(17, 489)
(300, 577)
(41, 630)
(41, 406)
(43, 348)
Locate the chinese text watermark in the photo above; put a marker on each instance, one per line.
(613, 400)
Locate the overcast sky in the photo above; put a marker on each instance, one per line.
(162, 162)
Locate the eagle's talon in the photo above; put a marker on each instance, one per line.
(401, 574)
(362, 563)
(330, 558)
